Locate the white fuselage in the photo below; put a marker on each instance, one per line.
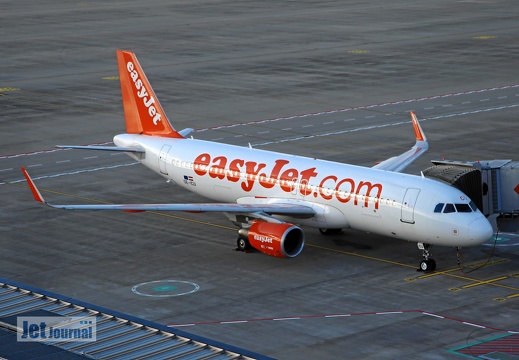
(382, 202)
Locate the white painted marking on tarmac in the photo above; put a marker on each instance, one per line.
(329, 122)
(389, 312)
(35, 165)
(307, 126)
(433, 315)
(62, 161)
(475, 325)
(502, 97)
(386, 125)
(263, 132)
(6, 169)
(90, 157)
(72, 172)
(348, 315)
(334, 111)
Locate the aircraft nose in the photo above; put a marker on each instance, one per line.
(480, 231)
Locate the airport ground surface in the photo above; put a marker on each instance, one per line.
(332, 80)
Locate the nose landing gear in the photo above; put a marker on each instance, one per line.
(428, 263)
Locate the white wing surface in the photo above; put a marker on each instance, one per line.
(400, 162)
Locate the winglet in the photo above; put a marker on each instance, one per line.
(35, 192)
(420, 136)
(142, 110)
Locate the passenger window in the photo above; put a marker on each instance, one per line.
(463, 208)
(449, 208)
(438, 208)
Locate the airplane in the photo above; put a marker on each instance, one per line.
(271, 195)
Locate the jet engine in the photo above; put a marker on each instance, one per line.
(274, 239)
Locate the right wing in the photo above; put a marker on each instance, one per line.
(400, 162)
(301, 211)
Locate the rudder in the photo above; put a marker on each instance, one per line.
(142, 110)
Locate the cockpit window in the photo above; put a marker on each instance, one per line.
(439, 208)
(449, 208)
(463, 208)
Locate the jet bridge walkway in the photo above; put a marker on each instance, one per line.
(118, 335)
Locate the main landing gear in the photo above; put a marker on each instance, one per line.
(428, 263)
(329, 231)
(243, 244)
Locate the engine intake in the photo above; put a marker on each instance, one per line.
(274, 239)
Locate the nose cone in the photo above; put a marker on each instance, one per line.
(480, 231)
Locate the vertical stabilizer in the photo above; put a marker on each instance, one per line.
(142, 110)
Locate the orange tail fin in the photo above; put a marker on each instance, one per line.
(142, 109)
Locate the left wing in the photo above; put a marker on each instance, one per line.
(301, 211)
(400, 162)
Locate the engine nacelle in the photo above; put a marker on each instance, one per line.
(274, 239)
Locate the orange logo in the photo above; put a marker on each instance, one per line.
(287, 178)
(142, 93)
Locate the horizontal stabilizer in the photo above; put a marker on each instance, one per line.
(185, 132)
(104, 148)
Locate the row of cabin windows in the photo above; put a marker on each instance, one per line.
(450, 208)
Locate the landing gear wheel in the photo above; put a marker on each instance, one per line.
(329, 231)
(243, 244)
(428, 265)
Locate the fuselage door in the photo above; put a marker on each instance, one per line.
(162, 159)
(408, 204)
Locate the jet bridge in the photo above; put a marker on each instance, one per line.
(493, 185)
